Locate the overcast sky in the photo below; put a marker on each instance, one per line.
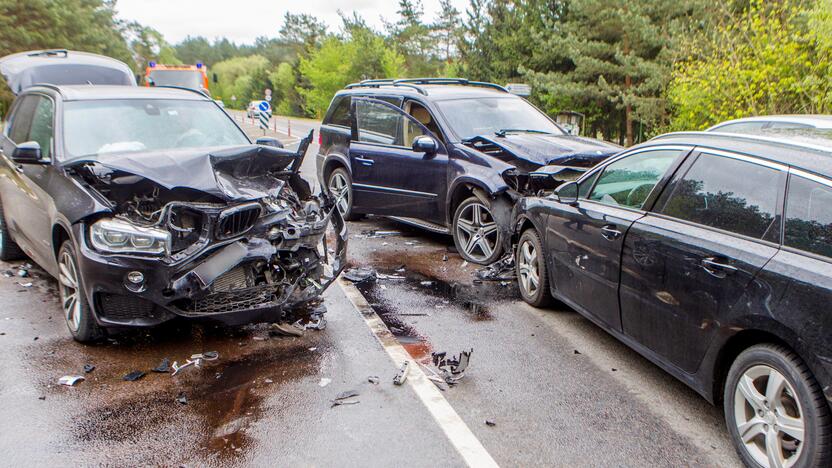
(244, 20)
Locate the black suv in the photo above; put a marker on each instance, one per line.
(442, 154)
(711, 255)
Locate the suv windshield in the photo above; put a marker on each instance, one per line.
(110, 126)
(471, 117)
(184, 78)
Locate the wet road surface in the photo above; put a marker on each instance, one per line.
(559, 390)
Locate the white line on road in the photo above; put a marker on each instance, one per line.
(455, 429)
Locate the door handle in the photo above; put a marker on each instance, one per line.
(716, 268)
(364, 161)
(610, 232)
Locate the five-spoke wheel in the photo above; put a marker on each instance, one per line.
(476, 233)
(77, 312)
(531, 269)
(340, 187)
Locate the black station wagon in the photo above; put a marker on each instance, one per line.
(711, 255)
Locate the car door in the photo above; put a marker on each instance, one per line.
(389, 177)
(584, 241)
(28, 214)
(688, 262)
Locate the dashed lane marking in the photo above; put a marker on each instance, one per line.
(455, 429)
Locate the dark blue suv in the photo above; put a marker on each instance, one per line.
(448, 155)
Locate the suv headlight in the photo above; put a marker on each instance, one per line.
(117, 236)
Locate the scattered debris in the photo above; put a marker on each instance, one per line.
(8, 273)
(411, 243)
(22, 273)
(401, 376)
(70, 380)
(453, 368)
(133, 376)
(426, 283)
(374, 234)
(163, 367)
(345, 398)
(360, 274)
(576, 352)
(324, 382)
(373, 379)
(314, 348)
(182, 399)
(382, 276)
(195, 360)
(259, 338)
(501, 270)
(614, 369)
(464, 264)
(25, 285)
(41, 398)
(88, 368)
(489, 422)
(444, 257)
(268, 381)
(286, 329)
(36, 338)
(401, 269)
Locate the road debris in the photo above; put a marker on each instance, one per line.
(345, 398)
(70, 380)
(88, 368)
(133, 376)
(501, 270)
(373, 379)
(453, 368)
(195, 360)
(182, 399)
(576, 352)
(489, 422)
(383, 276)
(400, 269)
(286, 329)
(25, 285)
(324, 382)
(22, 273)
(163, 367)
(375, 234)
(401, 376)
(360, 274)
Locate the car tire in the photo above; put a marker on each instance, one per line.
(532, 275)
(477, 236)
(339, 185)
(74, 304)
(769, 415)
(9, 250)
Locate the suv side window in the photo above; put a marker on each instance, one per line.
(340, 114)
(628, 181)
(727, 193)
(41, 129)
(21, 120)
(380, 124)
(809, 216)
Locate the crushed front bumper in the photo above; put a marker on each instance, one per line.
(217, 283)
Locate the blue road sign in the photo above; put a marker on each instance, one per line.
(264, 106)
(265, 114)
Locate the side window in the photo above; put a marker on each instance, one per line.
(378, 123)
(41, 130)
(340, 114)
(727, 193)
(21, 120)
(809, 216)
(585, 185)
(628, 181)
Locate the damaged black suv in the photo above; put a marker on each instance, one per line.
(151, 203)
(448, 155)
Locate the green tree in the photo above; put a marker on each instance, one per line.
(148, 44)
(242, 77)
(412, 38)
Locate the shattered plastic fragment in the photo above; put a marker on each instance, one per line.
(286, 329)
(373, 379)
(182, 399)
(133, 376)
(345, 398)
(26, 285)
(501, 270)
(453, 368)
(401, 376)
(70, 380)
(88, 368)
(163, 367)
(359, 274)
(489, 422)
(324, 382)
(268, 381)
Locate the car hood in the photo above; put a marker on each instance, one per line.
(541, 150)
(236, 173)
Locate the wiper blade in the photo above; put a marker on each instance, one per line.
(504, 131)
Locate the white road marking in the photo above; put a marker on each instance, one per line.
(455, 429)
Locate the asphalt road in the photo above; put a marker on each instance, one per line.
(559, 391)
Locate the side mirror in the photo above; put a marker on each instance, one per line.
(425, 144)
(269, 141)
(567, 193)
(27, 153)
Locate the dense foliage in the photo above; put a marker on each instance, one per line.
(632, 67)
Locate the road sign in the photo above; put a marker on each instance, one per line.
(264, 114)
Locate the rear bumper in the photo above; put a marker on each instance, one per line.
(308, 265)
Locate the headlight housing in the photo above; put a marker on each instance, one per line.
(118, 236)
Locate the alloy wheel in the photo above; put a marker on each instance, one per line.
(70, 294)
(528, 268)
(339, 188)
(768, 416)
(477, 231)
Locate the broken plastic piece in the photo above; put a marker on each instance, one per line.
(489, 422)
(182, 399)
(133, 376)
(163, 367)
(373, 379)
(70, 380)
(360, 274)
(401, 376)
(286, 329)
(501, 270)
(345, 398)
(318, 324)
(453, 368)
(88, 368)
(324, 382)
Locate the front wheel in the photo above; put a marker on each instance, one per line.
(339, 185)
(530, 263)
(76, 308)
(775, 410)
(476, 233)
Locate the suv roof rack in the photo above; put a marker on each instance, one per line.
(415, 82)
(49, 53)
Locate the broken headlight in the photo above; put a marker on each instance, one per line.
(117, 236)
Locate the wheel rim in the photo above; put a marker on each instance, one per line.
(477, 232)
(70, 296)
(339, 188)
(528, 267)
(768, 417)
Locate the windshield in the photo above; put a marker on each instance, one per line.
(184, 78)
(471, 117)
(110, 126)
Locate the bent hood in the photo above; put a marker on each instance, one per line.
(238, 173)
(561, 150)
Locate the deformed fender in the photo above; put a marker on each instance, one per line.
(76, 201)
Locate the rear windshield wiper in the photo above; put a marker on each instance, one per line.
(504, 131)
